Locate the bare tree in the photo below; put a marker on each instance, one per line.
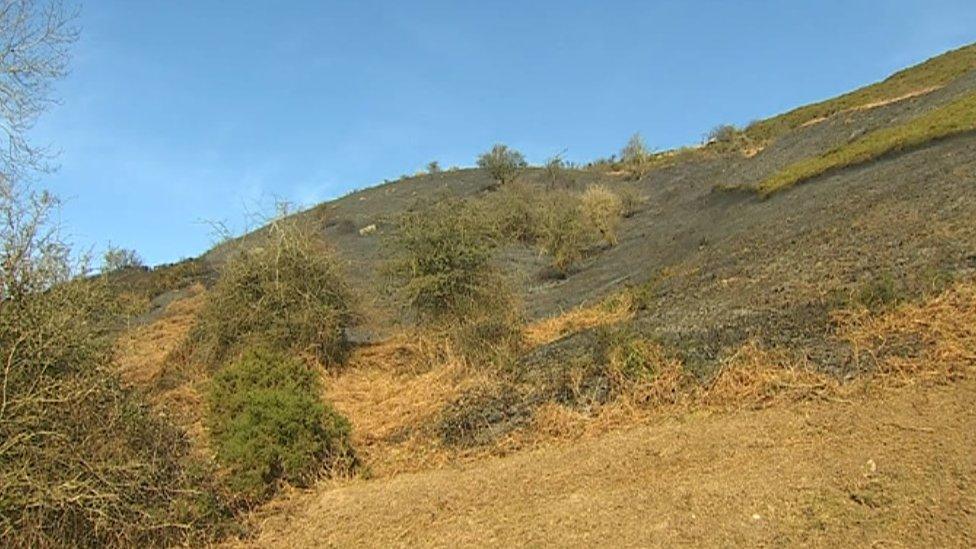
(35, 41)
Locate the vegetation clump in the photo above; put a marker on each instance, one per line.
(270, 426)
(287, 294)
(954, 118)
(442, 268)
(602, 210)
(557, 172)
(502, 163)
(514, 212)
(630, 201)
(117, 259)
(563, 235)
(83, 461)
(635, 157)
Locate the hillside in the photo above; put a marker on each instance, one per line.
(776, 347)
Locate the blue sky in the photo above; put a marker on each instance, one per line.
(182, 111)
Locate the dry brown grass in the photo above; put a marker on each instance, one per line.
(756, 377)
(918, 342)
(613, 310)
(142, 351)
(386, 394)
(394, 389)
(146, 355)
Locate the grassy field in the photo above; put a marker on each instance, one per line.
(956, 117)
(935, 72)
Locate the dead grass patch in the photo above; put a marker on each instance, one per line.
(756, 377)
(141, 352)
(151, 358)
(934, 340)
(615, 309)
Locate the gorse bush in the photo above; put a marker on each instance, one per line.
(602, 211)
(287, 293)
(83, 462)
(270, 426)
(502, 163)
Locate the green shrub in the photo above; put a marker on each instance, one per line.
(287, 294)
(602, 210)
(433, 167)
(269, 425)
(440, 259)
(563, 236)
(83, 462)
(514, 212)
(502, 163)
(441, 264)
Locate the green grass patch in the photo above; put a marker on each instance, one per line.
(956, 117)
(937, 71)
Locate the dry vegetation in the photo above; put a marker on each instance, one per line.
(286, 294)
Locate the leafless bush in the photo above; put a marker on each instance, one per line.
(286, 293)
(635, 157)
(117, 259)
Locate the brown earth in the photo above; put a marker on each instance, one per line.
(892, 468)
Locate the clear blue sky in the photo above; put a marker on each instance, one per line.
(179, 111)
